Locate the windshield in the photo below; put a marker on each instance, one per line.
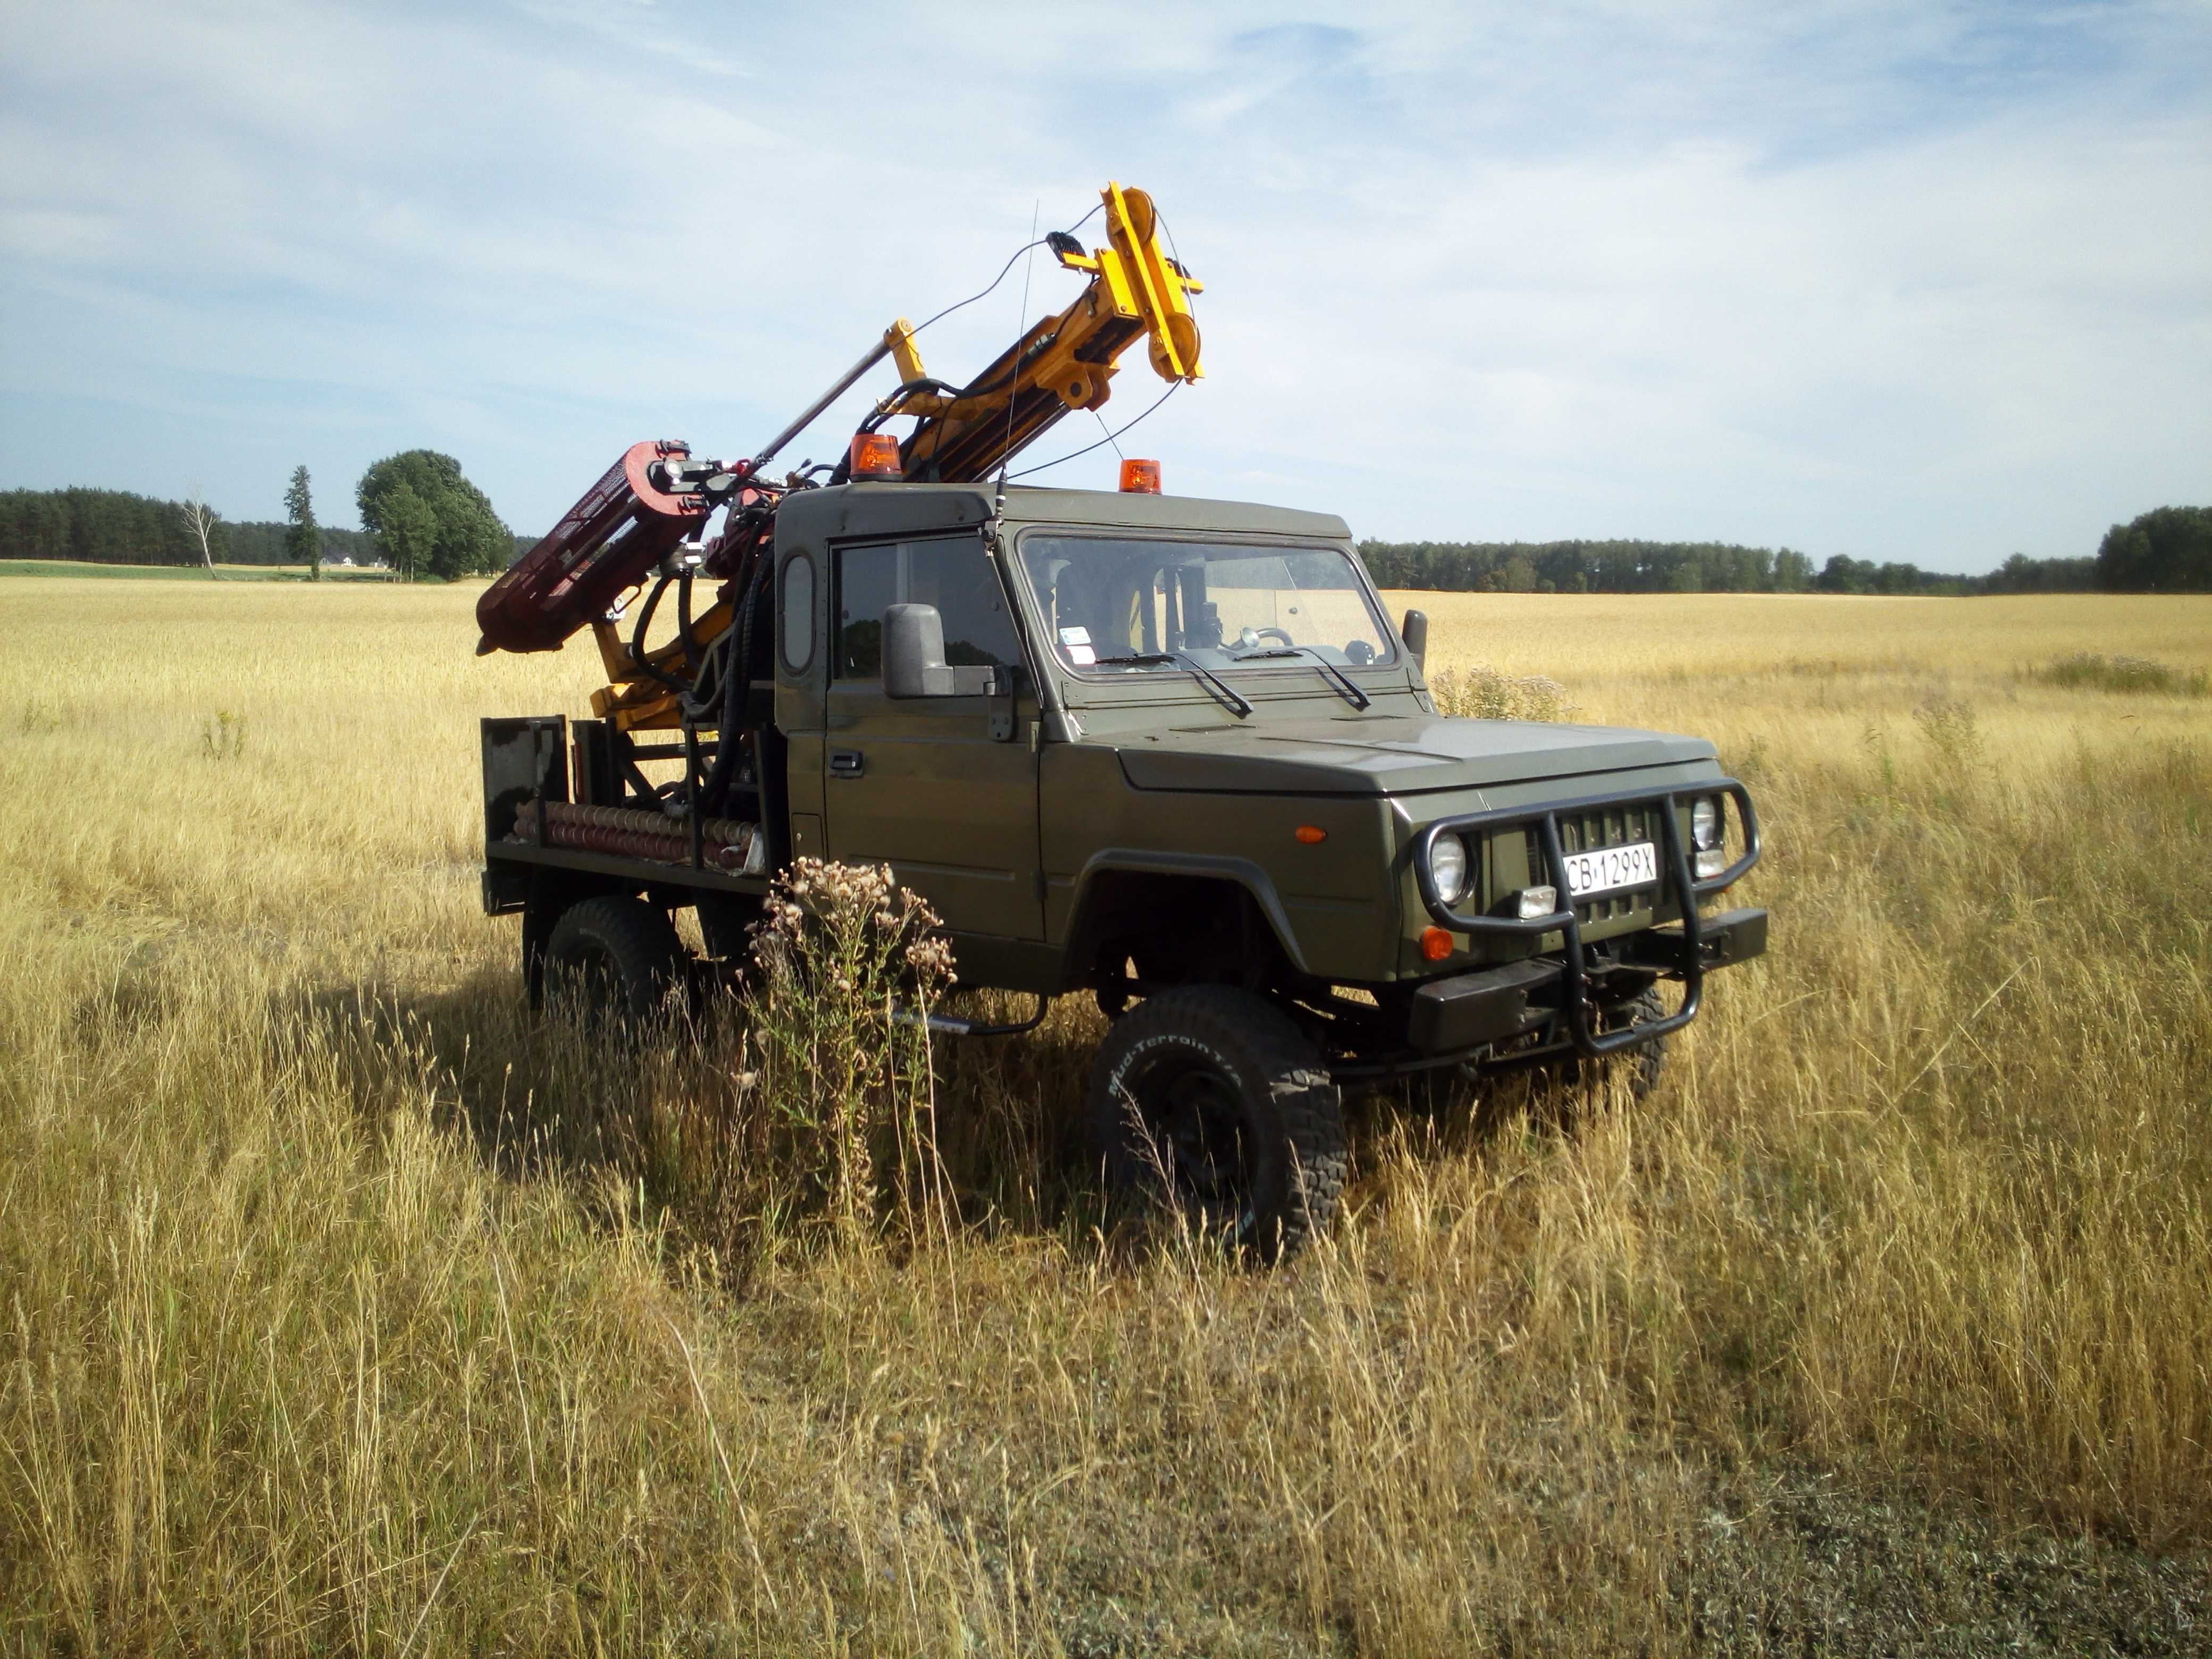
(1122, 605)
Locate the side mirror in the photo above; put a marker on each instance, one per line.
(914, 652)
(1414, 630)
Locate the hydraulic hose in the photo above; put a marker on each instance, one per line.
(683, 620)
(637, 639)
(737, 681)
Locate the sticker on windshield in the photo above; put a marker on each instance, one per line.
(1076, 641)
(1075, 636)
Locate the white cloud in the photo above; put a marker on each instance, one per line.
(1900, 280)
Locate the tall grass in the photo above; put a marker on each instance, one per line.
(2094, 670)
(348, 1307)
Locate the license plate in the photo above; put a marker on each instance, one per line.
(1611, 868)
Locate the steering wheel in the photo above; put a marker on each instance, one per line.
(1259, 634)
(1359, 652)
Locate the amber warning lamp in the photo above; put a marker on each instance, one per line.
(875, 455)
(1140, 477)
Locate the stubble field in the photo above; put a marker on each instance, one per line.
(347, 1310)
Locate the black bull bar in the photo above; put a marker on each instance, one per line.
(1676, 881)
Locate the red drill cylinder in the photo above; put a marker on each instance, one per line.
(624, 526)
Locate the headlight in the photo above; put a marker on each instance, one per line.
(1448, 867)
(1706, 822)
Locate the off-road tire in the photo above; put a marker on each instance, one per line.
(1640, 1067)
(1208, 1101)
(617, 957)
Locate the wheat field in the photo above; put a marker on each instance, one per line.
(346, 1308)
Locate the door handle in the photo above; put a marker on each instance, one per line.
(845, 763)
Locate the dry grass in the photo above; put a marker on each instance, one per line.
(2135, 676)
(347, 1310)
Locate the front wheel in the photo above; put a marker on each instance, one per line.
(1209, 1100)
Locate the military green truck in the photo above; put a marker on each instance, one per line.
(1170, 753)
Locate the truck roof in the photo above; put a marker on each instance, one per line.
(865, 509)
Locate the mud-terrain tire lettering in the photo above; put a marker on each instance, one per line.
(1207, 1100)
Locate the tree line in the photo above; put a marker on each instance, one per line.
(2166, 550)
(100, 527)
(1641, 567)
(1588, 567)
(423, 518)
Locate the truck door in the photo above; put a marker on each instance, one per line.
(922, 783)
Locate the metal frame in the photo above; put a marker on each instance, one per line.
(1676, 882)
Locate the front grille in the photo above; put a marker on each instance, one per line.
(1609, 826)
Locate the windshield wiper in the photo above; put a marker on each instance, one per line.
(1223, 691)
(1337, 678)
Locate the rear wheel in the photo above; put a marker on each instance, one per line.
(613, 955)
(1209, 1100)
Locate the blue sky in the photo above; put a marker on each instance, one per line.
(1902, 281)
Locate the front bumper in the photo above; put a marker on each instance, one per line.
(1473, 1011)
(1690, 950)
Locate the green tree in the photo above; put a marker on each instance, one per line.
(2166, 550)
(464, 537)
(1845, 575)
(407, 530)
(303, 541)
(2022, 574)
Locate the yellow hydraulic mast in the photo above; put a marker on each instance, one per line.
(1065, 362)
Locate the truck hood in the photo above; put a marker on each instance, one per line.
(1390, 754)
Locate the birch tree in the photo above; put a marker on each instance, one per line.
(200, 520)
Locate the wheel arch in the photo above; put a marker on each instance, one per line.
(1116, 880)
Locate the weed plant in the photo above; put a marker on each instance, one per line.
(831, 1116)
(1480, 693)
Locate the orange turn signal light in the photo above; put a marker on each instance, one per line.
(1140, 477)
(1436, 944)
(875, 455)
(1310, 835)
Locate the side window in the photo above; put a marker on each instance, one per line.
(956, 576)
(796, 620)
(950, 572)
(867, 585)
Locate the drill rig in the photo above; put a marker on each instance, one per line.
(641, 524)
